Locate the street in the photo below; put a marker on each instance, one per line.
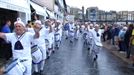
(74, 59)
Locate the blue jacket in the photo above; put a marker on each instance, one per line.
(66, 27)
(6, 29)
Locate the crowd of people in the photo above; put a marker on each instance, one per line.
(35, 42)
(122, 37)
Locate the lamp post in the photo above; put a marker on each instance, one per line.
(83, 18)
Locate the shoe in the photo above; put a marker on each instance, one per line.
(66, 38)
(48, 57)
(71, 41)
(41, 72)
(95, 59)
(127, 57)
(57, 48)
(36, 73)
(88, 48)
(96, 56)
(53, 51)
(133, 65)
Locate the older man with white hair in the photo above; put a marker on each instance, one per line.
(96, 37)
(40, 42)
(121, 38)
(21, 48)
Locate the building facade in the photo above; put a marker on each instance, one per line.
(76, 12)
(93, 14)
(17, 8)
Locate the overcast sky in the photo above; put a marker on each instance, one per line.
(106, 5)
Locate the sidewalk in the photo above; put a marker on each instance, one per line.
(115, 51)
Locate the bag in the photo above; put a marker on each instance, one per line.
(36, 54)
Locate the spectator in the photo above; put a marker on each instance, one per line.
(121, 37)
(127, 36)
(109, 34)
(132, 46)
(7, 53)
(117, 30)
(6, 27)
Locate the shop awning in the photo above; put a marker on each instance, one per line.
(39, 10)
(51, 14)
(16, 5)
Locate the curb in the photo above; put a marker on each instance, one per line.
(114, 51)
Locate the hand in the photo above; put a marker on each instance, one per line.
(36, 30)
(1, 70)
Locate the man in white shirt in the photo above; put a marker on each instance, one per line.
(96, 47)
(41, 44)
(89, 34)
(21, 45)
(58, 34)
(50, 36)
(71, 31)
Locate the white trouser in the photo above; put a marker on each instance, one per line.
(57, 39)
(71, 34)
(66, 33)
(43, 50)
(95, 50)
(60, 32)
(20, 68)
(28, 65)
(77, 34)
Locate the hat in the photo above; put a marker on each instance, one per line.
(38, 21)
(91, 25)
(96, 25)
(19, 21)
(47, 20)
(125, 28)
(58, 21)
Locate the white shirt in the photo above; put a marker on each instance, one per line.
(51, 37)
(90, 33)
(41, 39)
(71, 27)
(47, 32)
(96, 39)
(26, 43)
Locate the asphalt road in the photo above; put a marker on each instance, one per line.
(74, 59)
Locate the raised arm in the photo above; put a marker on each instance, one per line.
(2, 35)
(36, 33)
